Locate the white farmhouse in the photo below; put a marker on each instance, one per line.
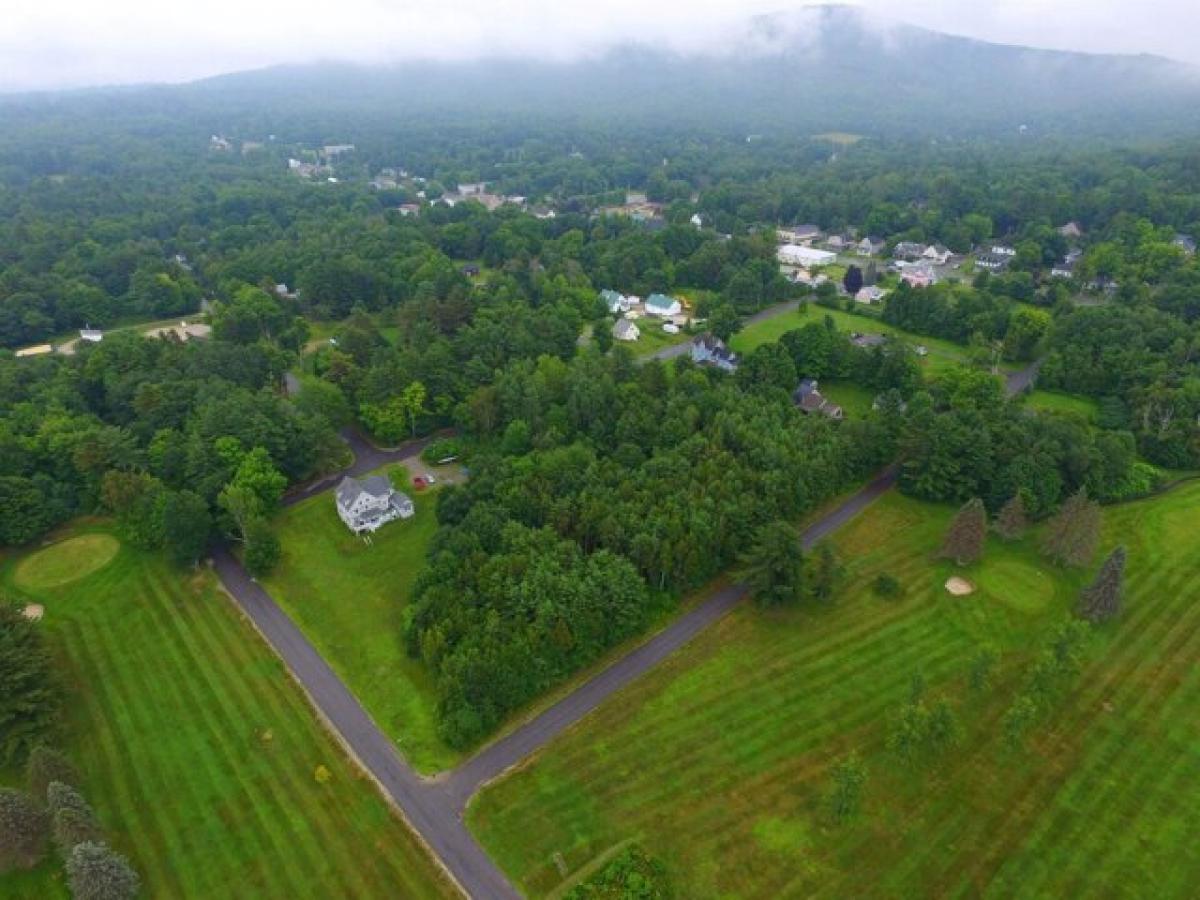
(371, 503)
(662, 306)
(625, 330)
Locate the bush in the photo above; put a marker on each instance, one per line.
(887, 586)
(630, 875)
(46, 765)
(98, 873)
(22, 830)
(440, 449)
(73, 827)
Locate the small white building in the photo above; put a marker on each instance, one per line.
(798, 255)
(670, 328)
(91, 335)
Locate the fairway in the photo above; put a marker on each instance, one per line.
(66, 561)
(348, 598)
(198, 751)
(718, 761)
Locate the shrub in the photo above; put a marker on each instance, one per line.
(46, 765)
(887, 586)
(262, 548)
(98, 873)
(22, 830)
(440, 449)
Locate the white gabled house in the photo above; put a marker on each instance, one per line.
(662, 306)
(371, 503)
(625, 330)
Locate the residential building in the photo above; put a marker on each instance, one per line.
(1186, 243)
(1002, 250)
(992, 262)
(798, 234)
(870, 246)
(616, 301)
(365, 506)
(870, 294)
(697, 220)
(91, 335)
(908, 250)
(662, 306)
(809, 400)
(332, 151)
(937, 254)
(710, 350)
(471, 189)
(1071, 231)
(799, 255)
(409, 209)
(625, 330)
(919, 275)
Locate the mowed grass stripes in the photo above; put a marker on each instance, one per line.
(200, 754)
(718, 761)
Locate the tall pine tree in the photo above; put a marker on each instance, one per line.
(1073, 533)
(1101, 600)
(964, 540)
(1013, 518)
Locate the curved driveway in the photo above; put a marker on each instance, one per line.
(434, 807)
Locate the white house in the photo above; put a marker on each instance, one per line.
(616, 301)
(1002, 250)
(937, 254)
(696, 220)
(798, 255)
(91, 335)
(662, 306)
(625, 330)
(371, 503)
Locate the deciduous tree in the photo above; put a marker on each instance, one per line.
(98, 873)
(22, 830)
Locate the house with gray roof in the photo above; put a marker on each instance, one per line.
(368, 504)
(710, 350)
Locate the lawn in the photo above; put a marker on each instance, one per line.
(1053, 401)
(718, 761)
(653, 338)
(348, 597)
(854, 399)
(199, 752)
(942, 354)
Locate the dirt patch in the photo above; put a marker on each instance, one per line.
(34, 612)
(959, 587)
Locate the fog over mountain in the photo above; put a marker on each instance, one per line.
(814, 68)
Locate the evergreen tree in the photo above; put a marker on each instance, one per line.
(964, 540)
(1013, 518)
(22, 830)
(773, 567)
(262, 548)
(845, 797)
(1101, 600)
(852, 281)
(825, 571)
(98, 873)
(1074, 531)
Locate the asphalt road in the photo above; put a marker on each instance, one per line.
(367, 458)
(434, 808)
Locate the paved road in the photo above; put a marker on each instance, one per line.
(367, 458)
(761, 316)
(435, 807)
(425, 804)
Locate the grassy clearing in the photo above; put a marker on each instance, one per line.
(348, 598)
(652, 338)
(718, 761)
(199, 752)
(66, 561)
(854, 399)
(1053, 401)
(942, 354)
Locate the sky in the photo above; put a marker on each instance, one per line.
(76, 43)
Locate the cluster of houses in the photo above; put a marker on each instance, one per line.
(367, 505)
(631, 308)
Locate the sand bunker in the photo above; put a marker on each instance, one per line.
(34, 612)
(959, 587)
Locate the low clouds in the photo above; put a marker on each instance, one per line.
(71, 43)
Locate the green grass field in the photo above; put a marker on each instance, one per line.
(1053, 401)
(854, 399)
(199, 752)
(652, 338)
(348, 598)
(718, 761)
(942, 354)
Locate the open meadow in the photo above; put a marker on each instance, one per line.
(719, 762)
(198, 752)
(348, 596)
